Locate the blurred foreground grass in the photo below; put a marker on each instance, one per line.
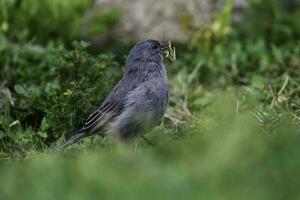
(226, 155)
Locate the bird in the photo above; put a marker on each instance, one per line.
(137, 103)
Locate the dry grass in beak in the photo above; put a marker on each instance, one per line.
(170, 51)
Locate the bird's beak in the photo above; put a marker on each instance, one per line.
(164, 46)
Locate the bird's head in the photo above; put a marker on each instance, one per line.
(148, 50)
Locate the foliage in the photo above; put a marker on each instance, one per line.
(217, 31)
(275, 23)
(52, 19)
(231, 130)
(44, 89)
(226, 156)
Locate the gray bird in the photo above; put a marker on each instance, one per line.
(139, 100)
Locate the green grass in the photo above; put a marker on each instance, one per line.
(231, 131)
(225, 155)
(227, 134)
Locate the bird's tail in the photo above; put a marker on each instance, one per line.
(75, 138)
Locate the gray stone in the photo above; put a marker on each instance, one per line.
(157, 19)
(160, 19)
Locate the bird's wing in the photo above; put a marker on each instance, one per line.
(112, 105)
(102, 115)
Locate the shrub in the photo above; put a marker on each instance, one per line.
(49, 93)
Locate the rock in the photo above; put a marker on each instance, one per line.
(157, 19)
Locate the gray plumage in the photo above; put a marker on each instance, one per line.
(138, 101)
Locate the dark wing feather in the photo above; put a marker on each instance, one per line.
(114, 103)
(109, 107)
(104, 113)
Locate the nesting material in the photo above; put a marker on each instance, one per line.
(170, 52)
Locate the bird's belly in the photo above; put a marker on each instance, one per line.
(135, 120)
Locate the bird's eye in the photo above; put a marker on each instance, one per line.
(155, 47)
